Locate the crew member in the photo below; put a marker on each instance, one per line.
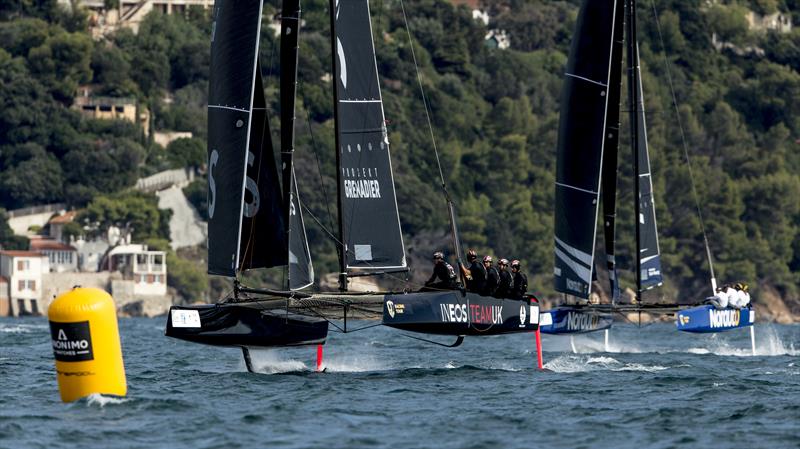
(475, 274)
(492, 277)
(740, 296)
(442, 271)
(722, 297)
(520, 281)
(506, 282)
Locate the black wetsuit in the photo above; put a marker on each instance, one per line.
(505, 285)
(520, 285)
(478, 273)
(492, 279)
(446, 276)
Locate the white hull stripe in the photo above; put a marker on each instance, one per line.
(580, 270)
(577, 254)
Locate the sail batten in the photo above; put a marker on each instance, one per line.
(370, 222)
(581, 143)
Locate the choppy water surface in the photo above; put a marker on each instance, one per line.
(655, 387)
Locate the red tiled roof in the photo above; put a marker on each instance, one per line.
(49, 244)
(64, 218)
(21, 253)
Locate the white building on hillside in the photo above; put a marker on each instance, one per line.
(23, 271)
(62, 257)
(147, 269)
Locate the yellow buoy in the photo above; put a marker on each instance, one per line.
(86, 346)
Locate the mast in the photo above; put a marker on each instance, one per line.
(290, 30)
(342, 243)
(584, 122)
(633, 101)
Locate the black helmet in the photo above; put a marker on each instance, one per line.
(472, 254)
(515, 264)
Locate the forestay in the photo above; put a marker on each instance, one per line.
(370, 224)
(243, 192)
(581, 142)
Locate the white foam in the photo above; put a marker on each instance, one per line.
(768, 344)
(267, 361)
(99, 400)
(579, 363)
(354, 363)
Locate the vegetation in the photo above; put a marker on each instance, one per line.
(495, 116)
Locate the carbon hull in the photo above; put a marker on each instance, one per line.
(455, 313)
(244, 325)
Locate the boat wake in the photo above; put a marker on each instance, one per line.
(581, 363)
(269, 361)
(98, 400)
(768, 344)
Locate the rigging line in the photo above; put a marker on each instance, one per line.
(319, 167)
(424, 100)
(685, 145)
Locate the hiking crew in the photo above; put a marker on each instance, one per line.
(506, 282)
(492, 277)
(442, 271)
(520, 286)
(475, 274)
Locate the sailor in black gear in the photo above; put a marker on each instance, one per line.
(506, 282)
(475, 274)
(520, 281)
(492, 277)
(442, 271)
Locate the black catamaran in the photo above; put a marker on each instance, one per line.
(587, 167)
(255, 213)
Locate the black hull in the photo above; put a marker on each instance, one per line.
(455, 313)
(244, 325)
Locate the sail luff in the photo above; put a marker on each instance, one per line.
(337, 139)
(581, 145)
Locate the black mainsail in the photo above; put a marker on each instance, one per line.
(581, 142)
(301, 272)
(242, 178)
(649, 258)
(369, 220)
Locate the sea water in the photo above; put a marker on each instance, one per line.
(651, 387)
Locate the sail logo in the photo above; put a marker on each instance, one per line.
(454, 313)
(723, 318)
(251, 208)
(390, 308)
(581, 321)
(574, 285)
(362, 188)
(522, 316)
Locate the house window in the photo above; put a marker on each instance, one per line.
(150, 278)
(34, 307)
(20, 306)
(20, 285)
(32, 285)
(141, 279)
(157, 279)
(23, 265)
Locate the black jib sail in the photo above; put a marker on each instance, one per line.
(581, 141)
(370, 224)
(649, 256)
(301, 272)
(237, 138)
